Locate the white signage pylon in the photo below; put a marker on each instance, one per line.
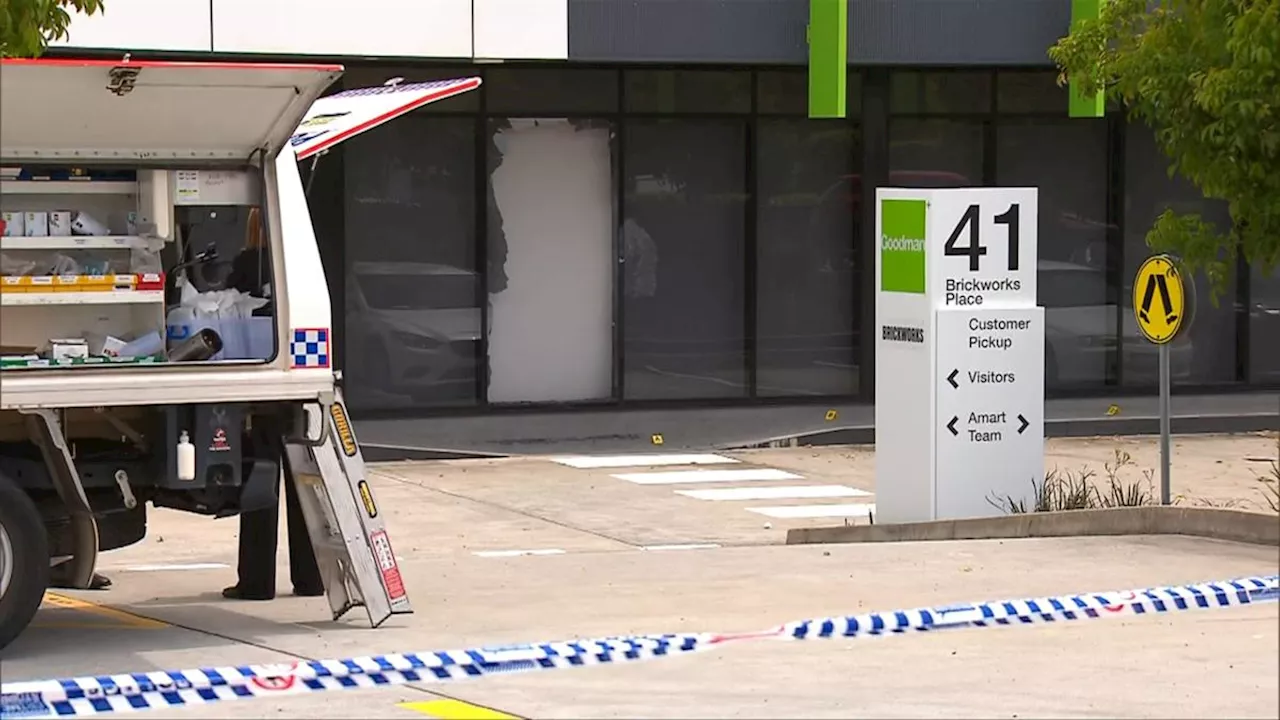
(959, 353)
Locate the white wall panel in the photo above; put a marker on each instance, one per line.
(522, 29)
(551, 328)
(143, 25)
(369, 28)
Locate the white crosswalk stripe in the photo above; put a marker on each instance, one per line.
(656, 469)
(788, 492)
(793, 512)
(704, 476)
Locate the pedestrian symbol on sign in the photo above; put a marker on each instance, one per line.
(1159, 299)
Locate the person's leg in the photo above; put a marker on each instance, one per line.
(304, 571)
(256, 565)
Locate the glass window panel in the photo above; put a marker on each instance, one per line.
(1207, 352)
(913, 92)
(807, 279)
(412, 310)
(1264, 326)
(683, 243)
(532, 91)
(1020, 92)
(1067, 161)
(688, 91)
(786, 92)
(935, 153)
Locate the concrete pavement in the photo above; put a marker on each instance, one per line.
(1219, 663)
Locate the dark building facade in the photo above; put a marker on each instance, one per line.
(645, 214)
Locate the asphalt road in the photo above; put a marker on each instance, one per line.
(521, 550)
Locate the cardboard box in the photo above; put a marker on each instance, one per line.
(13, 224)
(68, 348)
(102, 345)
(37, 224)
(60, 223)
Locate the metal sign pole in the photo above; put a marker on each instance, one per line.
(1162, 305)
(1165, 429)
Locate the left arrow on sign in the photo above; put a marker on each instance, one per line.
(952, 425)
(952, 378)
(1025, 424)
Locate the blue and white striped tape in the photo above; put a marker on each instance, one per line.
(167, 689)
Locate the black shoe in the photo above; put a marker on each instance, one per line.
(235, 592)
(308, 591)
(59, 580)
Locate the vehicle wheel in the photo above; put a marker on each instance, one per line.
(24, 560)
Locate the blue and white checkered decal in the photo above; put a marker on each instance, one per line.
(167, 689)
(309, 348)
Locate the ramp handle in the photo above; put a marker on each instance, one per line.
(324, 428)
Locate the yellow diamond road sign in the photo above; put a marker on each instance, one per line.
(1159, 299)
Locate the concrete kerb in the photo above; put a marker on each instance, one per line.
(1217, 523)
(1064, 427)
(397, 453)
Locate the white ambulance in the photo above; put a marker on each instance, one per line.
(165, 330)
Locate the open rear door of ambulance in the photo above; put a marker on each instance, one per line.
(87, 111)
(105, 140)
(344, 115)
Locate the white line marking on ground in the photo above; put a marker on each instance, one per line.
(617, 461)
(687, 546)
(186, 566)
(853, 510)
(796, 492)
(516, 553)
(701, 476)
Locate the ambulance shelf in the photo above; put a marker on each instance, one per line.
(14, 364)
(107, 297)
(72, 242)
(69, 187)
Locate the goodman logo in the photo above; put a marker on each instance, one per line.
(902, 245)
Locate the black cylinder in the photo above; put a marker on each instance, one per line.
(201, 346)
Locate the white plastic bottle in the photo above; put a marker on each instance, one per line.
(186, 458)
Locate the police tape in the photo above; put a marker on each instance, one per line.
(95, 695)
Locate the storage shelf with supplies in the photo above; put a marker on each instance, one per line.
(81, 283)
(70, 242)
(85, 253)
(68, 187)
(17, 363)
(81, 277)
(101, 297)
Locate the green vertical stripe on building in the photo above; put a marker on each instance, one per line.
(1085, 106)
(828, 57)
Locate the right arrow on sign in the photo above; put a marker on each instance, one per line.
(952, 378)
(952, 425)
(1024, 422)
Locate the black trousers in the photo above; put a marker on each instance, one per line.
(259, 532)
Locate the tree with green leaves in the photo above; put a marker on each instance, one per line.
(28, 26)
(1204, 75)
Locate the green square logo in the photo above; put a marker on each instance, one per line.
(902, 224)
